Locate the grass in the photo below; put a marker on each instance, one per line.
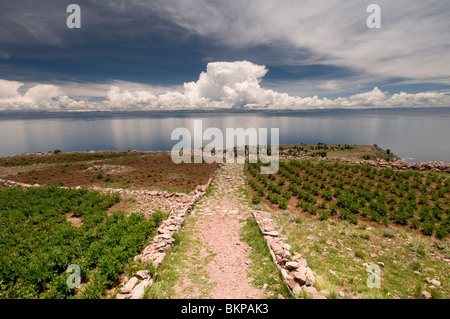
(340, 252)
(262, 269)
(183, 261)
(338, 151)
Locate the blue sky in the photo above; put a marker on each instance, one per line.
(294, 54)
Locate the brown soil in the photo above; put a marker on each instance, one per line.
(149, 170)
(74, 220)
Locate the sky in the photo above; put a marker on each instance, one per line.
(211, 54)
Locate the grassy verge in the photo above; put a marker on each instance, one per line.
(187, 259)
(340, 252)
(262, 269)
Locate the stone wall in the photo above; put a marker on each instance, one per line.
(294, 269)
(398, 165)
(161, 245)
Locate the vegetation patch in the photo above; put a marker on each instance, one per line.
(183, 271)
(262, 268)
(367, 152)
(345, 217)
(44, 230)
(353, 192)
(135, 170)
(339, 253)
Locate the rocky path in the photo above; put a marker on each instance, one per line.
(217, 219)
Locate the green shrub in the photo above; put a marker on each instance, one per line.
(333, 209)
(365, 235)
(390, 233)
(415, 223)
(441, 232)
(359, 254)
(415, 265)
(428, 228)
(282, 203)
(256, 200)
(324, 214)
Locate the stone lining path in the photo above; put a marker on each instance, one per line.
(218, 218)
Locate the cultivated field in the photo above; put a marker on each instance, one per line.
(47, 228)
(44, 230)
(345, 216)
(342, 217)
(132, 170)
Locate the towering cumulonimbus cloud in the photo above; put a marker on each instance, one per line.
(223, 85)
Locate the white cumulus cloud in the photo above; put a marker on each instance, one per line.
(224, 85)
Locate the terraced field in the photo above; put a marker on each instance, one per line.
(131, 169)
(351, 191)
(344, 217)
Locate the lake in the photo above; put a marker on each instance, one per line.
(416, 135)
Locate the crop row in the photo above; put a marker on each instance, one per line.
(327, 188)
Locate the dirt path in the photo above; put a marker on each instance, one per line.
(218, 218)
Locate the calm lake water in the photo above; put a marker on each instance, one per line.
(416, 135)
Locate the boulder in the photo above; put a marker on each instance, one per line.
(425, 294)
(130, 285)
(291, 265)
(297, 291)
(138, 291)
(310, 290)
(303, 262)
(286, 254)
(292, 283)
(143, 274)
(271, 233)
(158, 259)
(310, 278)
(276, 247)
(300, 277)
(285, 275)
(435, 282)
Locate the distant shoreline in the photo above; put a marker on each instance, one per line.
(43, 114)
